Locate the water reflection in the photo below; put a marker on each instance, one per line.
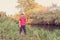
(48, 27)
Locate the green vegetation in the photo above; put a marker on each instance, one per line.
(9, 30)
(51, 17)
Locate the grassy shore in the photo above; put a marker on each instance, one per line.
(9, 30)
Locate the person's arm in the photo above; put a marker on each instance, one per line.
(26, 20)
(19, 22)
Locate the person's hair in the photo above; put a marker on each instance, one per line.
(22, 14)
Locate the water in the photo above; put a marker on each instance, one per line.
(48, 27)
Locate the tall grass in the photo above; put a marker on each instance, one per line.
(9, 30)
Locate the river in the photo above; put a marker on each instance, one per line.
(48, 27)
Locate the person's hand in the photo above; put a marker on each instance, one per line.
(19, 25)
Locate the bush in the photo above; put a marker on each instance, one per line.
(46, 18)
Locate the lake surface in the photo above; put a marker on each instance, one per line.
(48, 27)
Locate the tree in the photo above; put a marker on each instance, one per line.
(2, 14)
(24, 3)
(30, 8)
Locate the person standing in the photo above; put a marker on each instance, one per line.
(22, 23)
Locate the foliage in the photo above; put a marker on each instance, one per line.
(30, 6)
(9, 30)
(2, 16)
(46, 18)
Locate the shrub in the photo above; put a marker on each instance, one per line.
(46, 18)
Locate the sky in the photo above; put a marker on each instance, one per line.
(48, 3)
(9, 6)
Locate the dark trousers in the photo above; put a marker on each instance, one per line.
(23, 28)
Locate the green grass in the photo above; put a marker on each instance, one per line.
(9, 30)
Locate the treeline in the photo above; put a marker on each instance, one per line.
(51, 17)
(4, 17)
